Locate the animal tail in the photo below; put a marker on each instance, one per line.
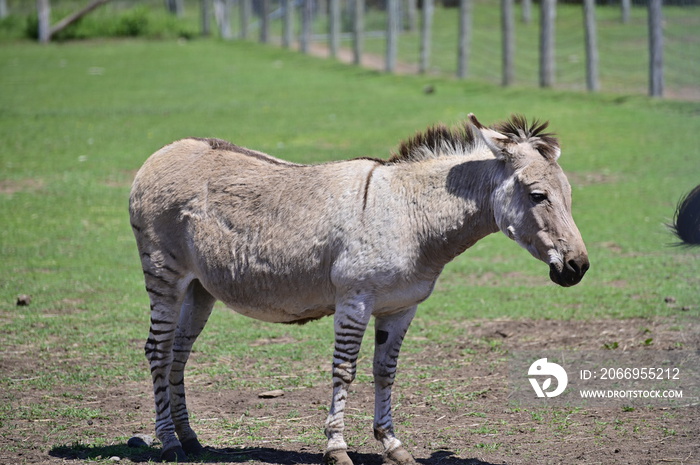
(686, 220)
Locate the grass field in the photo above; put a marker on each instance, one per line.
(77, 120)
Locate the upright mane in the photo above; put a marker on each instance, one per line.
(440, 140)
(517, 129)
(436, 141)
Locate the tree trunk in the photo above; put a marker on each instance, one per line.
(68, 20)
(3, 9)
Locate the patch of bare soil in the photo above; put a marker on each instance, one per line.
(10, 187)
(451, 408)
(369, 60)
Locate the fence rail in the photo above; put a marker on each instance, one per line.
(605, 45)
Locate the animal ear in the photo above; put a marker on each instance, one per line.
(494, 140)
(550, 151)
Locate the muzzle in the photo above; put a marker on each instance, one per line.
(571, 273)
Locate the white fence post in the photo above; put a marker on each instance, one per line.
(265, 21)
(245, 9)
(206, 16)
(508, 32)
(591, 39)
(547, 16)
(656, 49)
(527, 11)
(392, 34)
(288, 24)
(465, 36)
(425, 36)
(222, 14)
(306, 19)
(411, 15)
(43, 8)
(334, 27)
(626, 6)
(358, 31)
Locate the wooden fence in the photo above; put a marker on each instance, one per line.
(398, 10)
(299, 18)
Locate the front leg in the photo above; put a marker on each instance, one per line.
(389, 333)
(351, 319)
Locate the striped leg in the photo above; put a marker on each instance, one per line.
(194, 314)
(164, 317)
(389, 334)
(164, 284)
(351, 319)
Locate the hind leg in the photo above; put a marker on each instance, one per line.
(165, 311)
(194, 314)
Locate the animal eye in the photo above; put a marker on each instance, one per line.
(538, 197)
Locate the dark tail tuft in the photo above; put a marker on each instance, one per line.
(686, 221)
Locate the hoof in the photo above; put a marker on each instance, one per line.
(398, 456)
(174, 454)
(337, 457)
(192, 447)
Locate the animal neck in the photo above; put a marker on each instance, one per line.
(450, 203)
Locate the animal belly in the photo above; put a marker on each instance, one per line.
(264, 288)
(283, 315)
(275, 301)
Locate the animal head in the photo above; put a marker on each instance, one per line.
(532, 205)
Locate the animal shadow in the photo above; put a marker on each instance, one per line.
(80, 452)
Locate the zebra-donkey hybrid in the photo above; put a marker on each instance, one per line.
(290, 243)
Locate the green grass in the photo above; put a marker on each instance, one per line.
(77, 120)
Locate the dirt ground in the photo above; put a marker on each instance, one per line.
(462, 417)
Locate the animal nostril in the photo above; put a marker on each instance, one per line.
(574, 266)
(578, 267)
(585, 267)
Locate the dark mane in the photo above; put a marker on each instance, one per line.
(436, 141)
(440, 140)
(219, 144)
(519, 130)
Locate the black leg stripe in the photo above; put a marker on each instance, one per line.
(154, 292)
